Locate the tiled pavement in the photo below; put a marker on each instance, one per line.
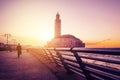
(27, 67)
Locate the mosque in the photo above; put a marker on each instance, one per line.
(63, 41)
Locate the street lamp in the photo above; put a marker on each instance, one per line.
(7, 37)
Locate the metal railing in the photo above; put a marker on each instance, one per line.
(92, 64)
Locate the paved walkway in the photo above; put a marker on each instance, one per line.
(25, 68)
(60, 72)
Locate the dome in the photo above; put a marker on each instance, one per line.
(67, 36)
(66, 41)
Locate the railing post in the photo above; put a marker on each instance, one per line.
(82, 66)
(41, 51)
(63, 62)
(47, 55)
(53, 58)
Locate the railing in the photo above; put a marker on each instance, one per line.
(92, 64)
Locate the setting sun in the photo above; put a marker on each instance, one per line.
(32, 22)
(46, 36)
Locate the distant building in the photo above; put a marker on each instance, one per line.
(7, 46)
(2, 45)
(63, 40)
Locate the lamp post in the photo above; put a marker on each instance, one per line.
(7, 37)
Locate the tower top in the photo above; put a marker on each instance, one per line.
(57, 15)
(57, 26)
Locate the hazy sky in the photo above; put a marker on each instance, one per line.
(96, 22)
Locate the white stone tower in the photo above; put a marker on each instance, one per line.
(57, 26)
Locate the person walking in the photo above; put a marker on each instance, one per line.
(19, 48)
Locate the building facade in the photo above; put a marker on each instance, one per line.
(63, 41)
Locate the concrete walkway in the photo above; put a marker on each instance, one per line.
(25, 68)
(58, 71)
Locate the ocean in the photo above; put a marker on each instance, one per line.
(99, 56)
(110, 49)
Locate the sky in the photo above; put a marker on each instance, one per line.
(95, 22)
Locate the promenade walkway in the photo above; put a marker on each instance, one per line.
(27, 67)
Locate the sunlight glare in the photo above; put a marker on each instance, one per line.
(46, 36)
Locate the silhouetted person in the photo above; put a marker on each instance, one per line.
(19, 48)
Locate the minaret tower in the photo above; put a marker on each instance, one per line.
(57, 26)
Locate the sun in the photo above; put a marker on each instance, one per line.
(46, 36)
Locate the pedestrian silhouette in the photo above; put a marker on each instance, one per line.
(19, 48)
